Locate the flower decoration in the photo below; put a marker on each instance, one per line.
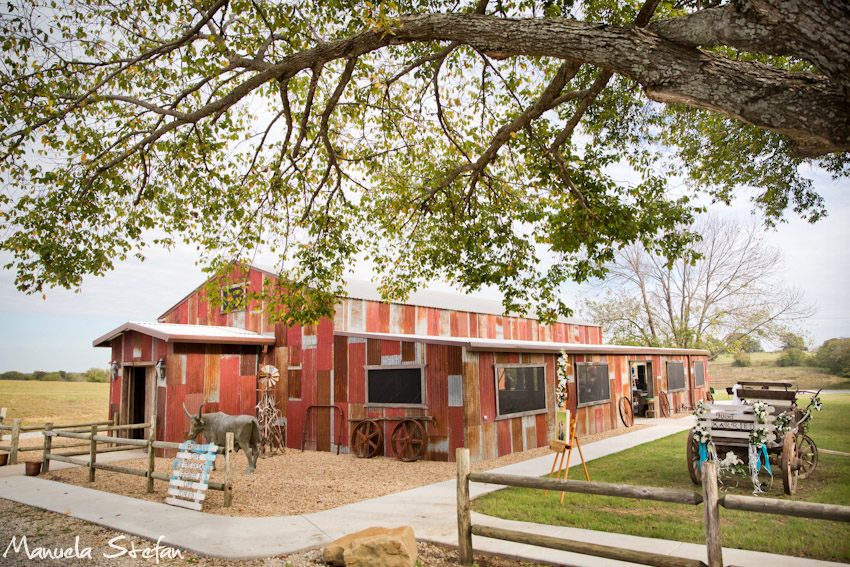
(701, 409)
(562, 391)
(783, 423)
(701, 433)
(758, 437)
(761, 410)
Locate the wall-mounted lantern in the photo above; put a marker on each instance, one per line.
(114, 368)
(160, 371)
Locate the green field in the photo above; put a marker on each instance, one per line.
(58, 402)
(722, 374)
(663, 464)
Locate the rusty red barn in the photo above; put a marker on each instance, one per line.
(438, 355)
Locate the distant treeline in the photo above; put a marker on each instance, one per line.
(90, 375)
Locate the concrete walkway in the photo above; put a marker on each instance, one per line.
(430, 510)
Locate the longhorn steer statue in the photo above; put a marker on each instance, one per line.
(215, 426)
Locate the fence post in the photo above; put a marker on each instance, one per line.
(13, 443)
(48, 445)
(712, 514)
(464, 520)
(92, 452)
(151, 453)
(114, 433)
(228, 486)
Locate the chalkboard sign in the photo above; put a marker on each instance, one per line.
(699, 374)
(520, 389)
(675, 376)
(396, 386)
(592, 383)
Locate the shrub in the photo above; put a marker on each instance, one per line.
(793, 357)
(834, 355)
(742, 360)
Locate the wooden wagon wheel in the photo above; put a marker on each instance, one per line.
(693, 459)
(626, 412)
(409, 440)
(807, 453)
(664, 404)
(789, 464)
(367, 439)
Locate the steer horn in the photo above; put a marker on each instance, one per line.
(189, 415)
(201, 410)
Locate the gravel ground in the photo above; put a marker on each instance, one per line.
(299, 482)
(292, 483)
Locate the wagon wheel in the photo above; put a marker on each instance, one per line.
(367, 439)
(789, 464)
(693, 458)
(664, 404)
(409, 440)
(807, 453)
(626, 412)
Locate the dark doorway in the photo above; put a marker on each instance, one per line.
(643, 389)
(137, 401)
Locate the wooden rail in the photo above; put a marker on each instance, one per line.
(16, 429)
(150, 445)
(709, 497)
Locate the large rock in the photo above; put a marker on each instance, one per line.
(374, 547)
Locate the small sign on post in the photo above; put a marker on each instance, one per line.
(191, 476)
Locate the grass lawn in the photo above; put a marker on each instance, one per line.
(721, 373)
(662, 463)
(60, 402)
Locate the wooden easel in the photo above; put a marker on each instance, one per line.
(563, 448)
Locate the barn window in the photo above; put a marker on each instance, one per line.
(699, 374)
(520, 389)
(675, 376)
(397, 386)
(592, 385)
(234, 298)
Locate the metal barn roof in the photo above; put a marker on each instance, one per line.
(502, 345)
(454, 301)
(188, 334)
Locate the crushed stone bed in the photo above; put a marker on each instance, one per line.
(301, 482)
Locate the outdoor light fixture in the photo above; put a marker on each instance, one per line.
(114, 369)
(160, 370)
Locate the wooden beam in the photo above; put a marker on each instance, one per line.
(814, 510)
(595, 549)
(584, 487)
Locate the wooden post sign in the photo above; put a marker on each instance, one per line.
(191, 476)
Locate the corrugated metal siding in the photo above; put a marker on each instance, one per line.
(212, 373)
(248, 395)
(229, 392)
(340, 370)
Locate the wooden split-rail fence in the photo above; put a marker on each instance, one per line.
(149, 445)
(710, 497)
(15, 430)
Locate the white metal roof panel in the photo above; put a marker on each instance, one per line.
(502, 345)
(171, 332)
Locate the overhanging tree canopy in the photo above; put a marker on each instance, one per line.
(473, 143)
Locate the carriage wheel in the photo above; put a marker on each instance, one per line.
(693, 458)
(789, 464)
(664, 404)
(807, 453)
(409, 440)
(367, 439)
(626, 412)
